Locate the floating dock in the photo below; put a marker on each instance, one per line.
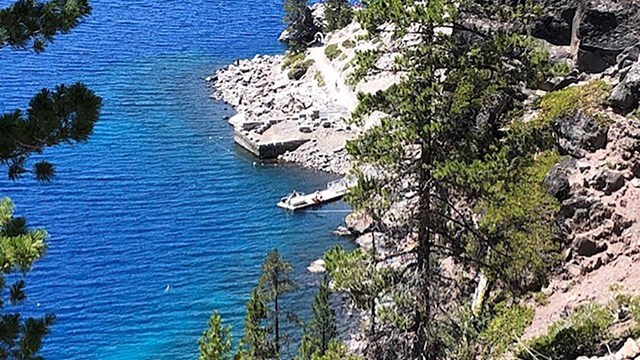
(297, 201)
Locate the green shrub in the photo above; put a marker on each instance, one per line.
(507, 325)
(299, 69)
(578, 335)
(338, 14)
(537, 134)
(541, 298)
(348, 44)
(520, 218)
(319, 79)
(332, 51)
(291, 58)
(363, 62)
(568, 101)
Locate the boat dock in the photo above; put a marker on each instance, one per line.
(297, 201)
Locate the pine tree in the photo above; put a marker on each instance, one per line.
(322, 328)
(274, 282)
(65, 115)
(255, 344)
(20, 248)
(215, 343)
(442, 142)
(338, 14)
(301, 28)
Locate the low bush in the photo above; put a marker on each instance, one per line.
(505, 327)
(299, 69)
(580, 334)
(291, 58)
(319, 79)
(348, 44)
(332, 51)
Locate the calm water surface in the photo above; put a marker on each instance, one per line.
(160, 195)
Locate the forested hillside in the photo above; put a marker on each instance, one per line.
(498, 191)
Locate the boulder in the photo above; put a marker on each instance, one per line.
(555, 22)
(602, 30)
(578, 133)
(624, 97)
(366, 241)
(586, 246)
(608, 181)
(557, 180)
(628, 56)
(359, 223)
(629, 350)
(316, 267)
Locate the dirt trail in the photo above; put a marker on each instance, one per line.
(334, 81)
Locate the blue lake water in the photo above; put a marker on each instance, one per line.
(160, 195)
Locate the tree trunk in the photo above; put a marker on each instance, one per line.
(373, 299)
(423, 348)
(276, 324)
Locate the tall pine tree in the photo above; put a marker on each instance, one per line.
(275, 282)
(442, 142)
(321, 330)
(256, 344)
(215, 343)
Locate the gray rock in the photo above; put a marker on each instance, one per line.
(579, 133)
(557, 180)
(604, 29)
(359, 223)
(629, 350)
(608, 181)
(585, 246)
(628, 56)
(366, 241)
(554, 24)
(624, 97)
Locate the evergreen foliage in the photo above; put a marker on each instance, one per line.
(338, 14)
(274, 282)
(322, 329)
(570, 338)
(444, 141)
(215, 343)
(31, 23)
(65, 115)
(337, 351)
(298, 22)
(255, 344)
(20, 247)
(506, 326)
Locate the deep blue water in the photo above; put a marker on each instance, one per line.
(159, 195)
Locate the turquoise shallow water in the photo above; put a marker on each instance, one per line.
(160, 195)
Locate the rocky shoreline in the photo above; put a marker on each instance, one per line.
(271, 108)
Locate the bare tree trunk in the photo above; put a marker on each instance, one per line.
(276, 325)
(373, 299)
(423, 348)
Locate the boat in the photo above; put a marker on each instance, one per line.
(335, 190)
